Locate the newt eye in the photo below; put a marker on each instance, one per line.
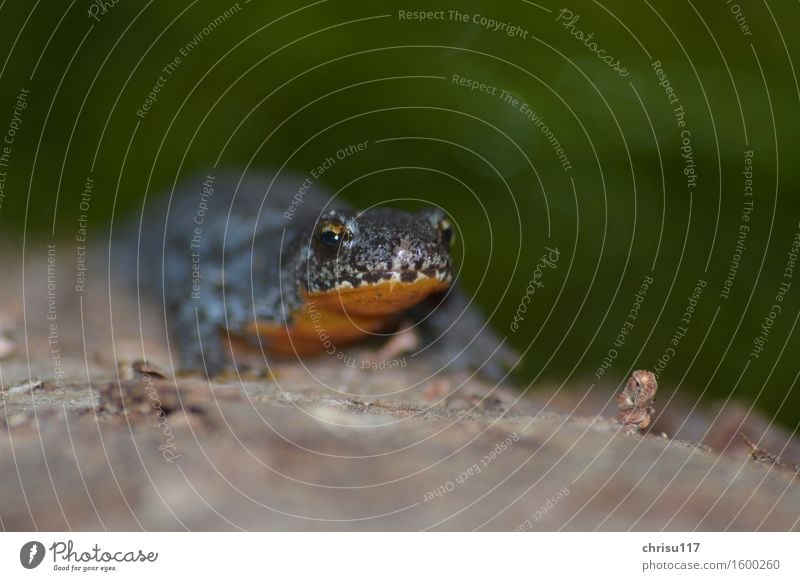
(446, 231)
(331, 234)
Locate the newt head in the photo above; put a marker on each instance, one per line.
(377, 262)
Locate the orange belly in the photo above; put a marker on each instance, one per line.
(335, 318)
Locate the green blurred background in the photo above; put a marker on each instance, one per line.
(286, 82)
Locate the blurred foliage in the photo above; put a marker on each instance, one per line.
(288, 83)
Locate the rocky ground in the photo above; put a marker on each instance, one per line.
(111, 444)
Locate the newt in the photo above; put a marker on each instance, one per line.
(297, 272)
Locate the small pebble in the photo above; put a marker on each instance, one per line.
(7, 347)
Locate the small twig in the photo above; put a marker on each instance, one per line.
(760, 455)
(23, 387)
(137, 369)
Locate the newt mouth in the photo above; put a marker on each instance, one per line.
(383, 293)
(405, 275)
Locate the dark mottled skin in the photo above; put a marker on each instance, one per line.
(270, 260)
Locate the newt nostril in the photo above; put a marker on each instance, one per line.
(403, 255)
(402, 252)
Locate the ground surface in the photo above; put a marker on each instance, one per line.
(324, 447)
